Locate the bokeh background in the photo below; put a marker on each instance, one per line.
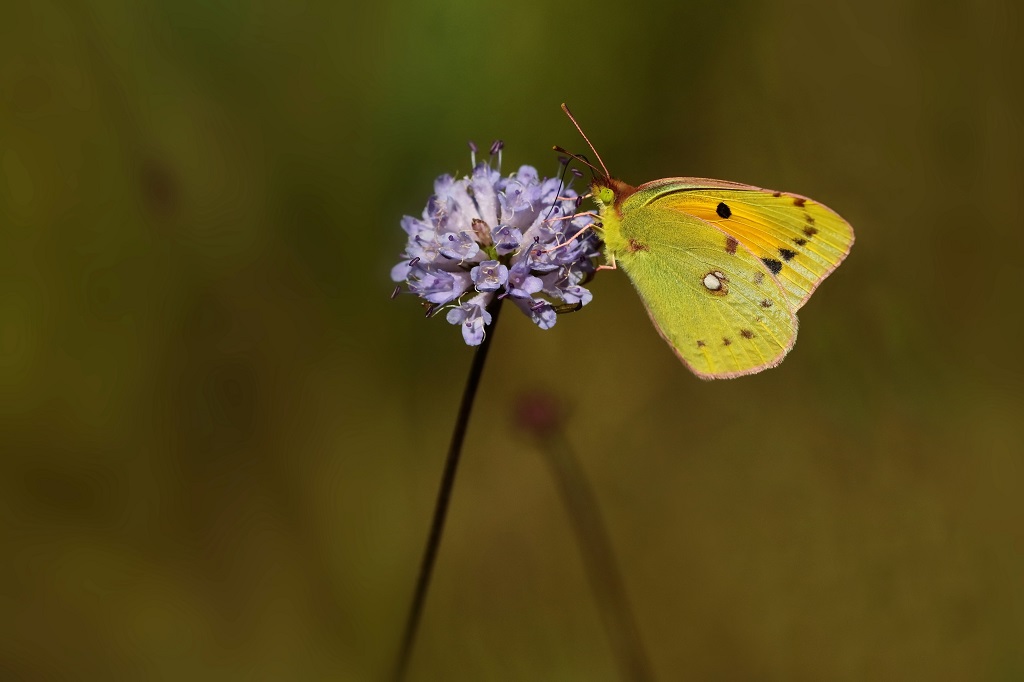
(221, 440)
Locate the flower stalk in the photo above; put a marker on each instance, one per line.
(444, 494)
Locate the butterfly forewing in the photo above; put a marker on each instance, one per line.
(799, 240)
(719, 308)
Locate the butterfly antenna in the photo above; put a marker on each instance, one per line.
(581, 159)
(599, 159)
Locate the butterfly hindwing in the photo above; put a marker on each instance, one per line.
(800, 240)
(720, 309)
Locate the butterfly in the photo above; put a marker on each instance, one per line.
(721, 267)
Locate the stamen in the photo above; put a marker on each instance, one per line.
(394, 294)
(472, 153)
(414, 261)
(496, 148)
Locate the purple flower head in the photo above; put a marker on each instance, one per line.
(486, 235)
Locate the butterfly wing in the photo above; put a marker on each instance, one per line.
(800, 240)
(721, 311)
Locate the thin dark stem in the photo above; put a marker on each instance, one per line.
(598, 557)
(444, 494)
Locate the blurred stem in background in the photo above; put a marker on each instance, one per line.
(541, 416)
(444, 494)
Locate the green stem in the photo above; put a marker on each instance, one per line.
(444, 494)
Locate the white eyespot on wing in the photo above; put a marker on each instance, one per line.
(713, 281)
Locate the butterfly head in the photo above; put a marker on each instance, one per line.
(609, 192)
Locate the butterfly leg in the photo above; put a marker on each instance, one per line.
(596, 224)
(570, 240)
(613, 266)
(574, 216)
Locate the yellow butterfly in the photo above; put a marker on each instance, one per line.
(721, 267)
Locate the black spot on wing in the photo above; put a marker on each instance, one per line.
(810, 231)
(726, 341)
(773, 265)
(731, 244)
(787, 254)
(746, 333)
(700, 344)
(799, 201)
(799, 241)
(766, 303)
(723, 210)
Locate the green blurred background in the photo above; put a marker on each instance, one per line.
(221, 441)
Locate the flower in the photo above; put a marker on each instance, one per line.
(487, 236)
